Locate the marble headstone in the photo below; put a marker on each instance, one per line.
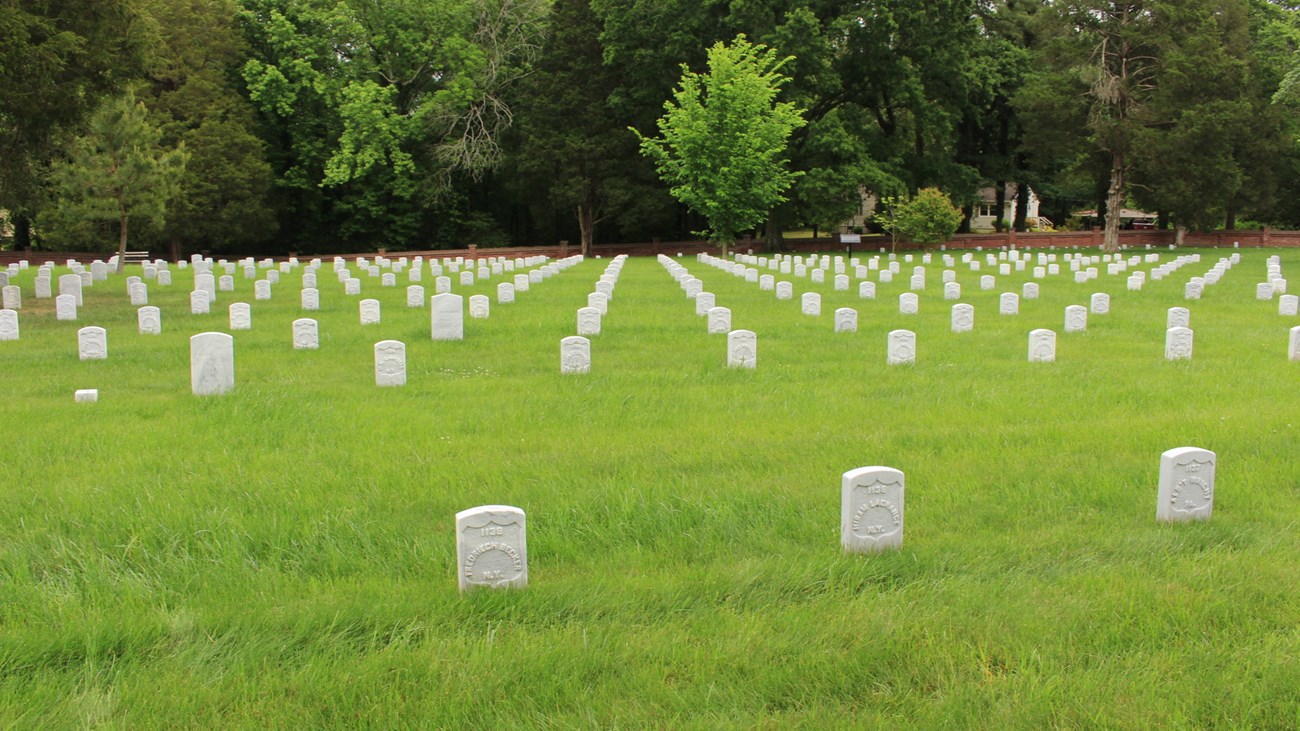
(871, 509)
(901, 347)
(742, 349)
(212, 363)
(588, 321)
(390, 363)
(92, 343)
(1186, 490)
(241, 316)
(306, 334)
(491, 548)
(963, 318)
(447, 317)
(480, 307)
(1178, 343)
(1042, 346)
(8, 325)
(575, 355)
(149, 320)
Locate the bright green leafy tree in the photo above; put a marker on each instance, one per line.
(722, 143)
(928, 217)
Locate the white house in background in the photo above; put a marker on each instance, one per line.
(983, 217)
(985, 214)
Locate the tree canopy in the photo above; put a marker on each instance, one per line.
(336, 125)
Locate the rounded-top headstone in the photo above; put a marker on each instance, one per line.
(491, 548)
(1186, 484)
(871, 509)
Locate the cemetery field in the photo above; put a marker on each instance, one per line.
(284, 555)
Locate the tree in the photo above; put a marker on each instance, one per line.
(58, 59)
(926, 218)
(571, 147)
(224, 200)
(117, 170)
(722, 143)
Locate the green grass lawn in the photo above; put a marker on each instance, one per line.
(284, 556)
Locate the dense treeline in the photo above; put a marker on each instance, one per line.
(327, 125)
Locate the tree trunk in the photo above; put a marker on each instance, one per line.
(1230, 220)
(121, 240)
(1022, 207)
(1180, 231)
(1114, 203)
(586, 227)
(174, 247)
(772, 234)
(22, 232)
(999, 203)
(967, 213)
(1162, 220)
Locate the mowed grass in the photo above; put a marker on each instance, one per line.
(284, 556)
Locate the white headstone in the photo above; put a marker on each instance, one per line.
(704, 301)
(599, 301)
(241, 316)
(575, 355)
(1009, 304)
(867, 290)
(306, 334)
(212, 363)
(370, 312)
(8, 325)
(390, 363)
(841, 283)
(588, 321)
(441, 285)
(767, 283)
(12, 297)
(43, 290)
(1178, 317)
(92, 343)
(1178, 343)
(1042, 346)
(1076, 318)
(742, 349)
(505, 293)
(719, 321)
(261, 290)
(352, 286)
(226, 283)
(908, 303)
(784, 290)
(86, 395)
(415, 296)
(491, 548)
(205, 282)
(448, 317)
(812, 304)
(871, 509)
(149, 320)
(71, 284)
(987, 282)
(1186, 489)
(480, 307)
(65, 307)
(1293, 349)
(1030, 291)
(199, 302)
(963, 318)
(902, 347)
(952, 291)
(1288, 305)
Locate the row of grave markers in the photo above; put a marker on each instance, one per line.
(492, 543)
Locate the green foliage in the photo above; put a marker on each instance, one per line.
(722, 143)
(928, 217)
(118, 171)
(58, 58)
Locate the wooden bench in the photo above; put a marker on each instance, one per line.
(136, 257)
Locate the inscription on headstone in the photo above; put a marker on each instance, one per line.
(1186, 485)
(871, 509)
(491, 548)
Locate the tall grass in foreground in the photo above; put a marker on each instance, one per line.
(284, 556)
